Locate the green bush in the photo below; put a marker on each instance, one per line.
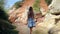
(5, 25)
(36, 6)
(48, 1)
(18, 4)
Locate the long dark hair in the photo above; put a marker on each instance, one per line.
(30, 13)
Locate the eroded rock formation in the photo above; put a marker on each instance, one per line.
(21, 13)
(50, 25)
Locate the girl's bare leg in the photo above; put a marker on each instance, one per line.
(31, 30)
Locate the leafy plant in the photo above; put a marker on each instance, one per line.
(36, 6)
(5, 25)
(18, 4)
(48, 1)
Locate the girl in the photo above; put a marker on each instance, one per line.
(31, 22)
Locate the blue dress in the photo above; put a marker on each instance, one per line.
(31, 22)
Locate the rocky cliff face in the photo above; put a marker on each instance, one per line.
(21, 13)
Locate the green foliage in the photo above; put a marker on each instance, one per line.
(18, 4)
(36, 6)
(1, 4)
(48, 1)
(3, 15)
(5, 26)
